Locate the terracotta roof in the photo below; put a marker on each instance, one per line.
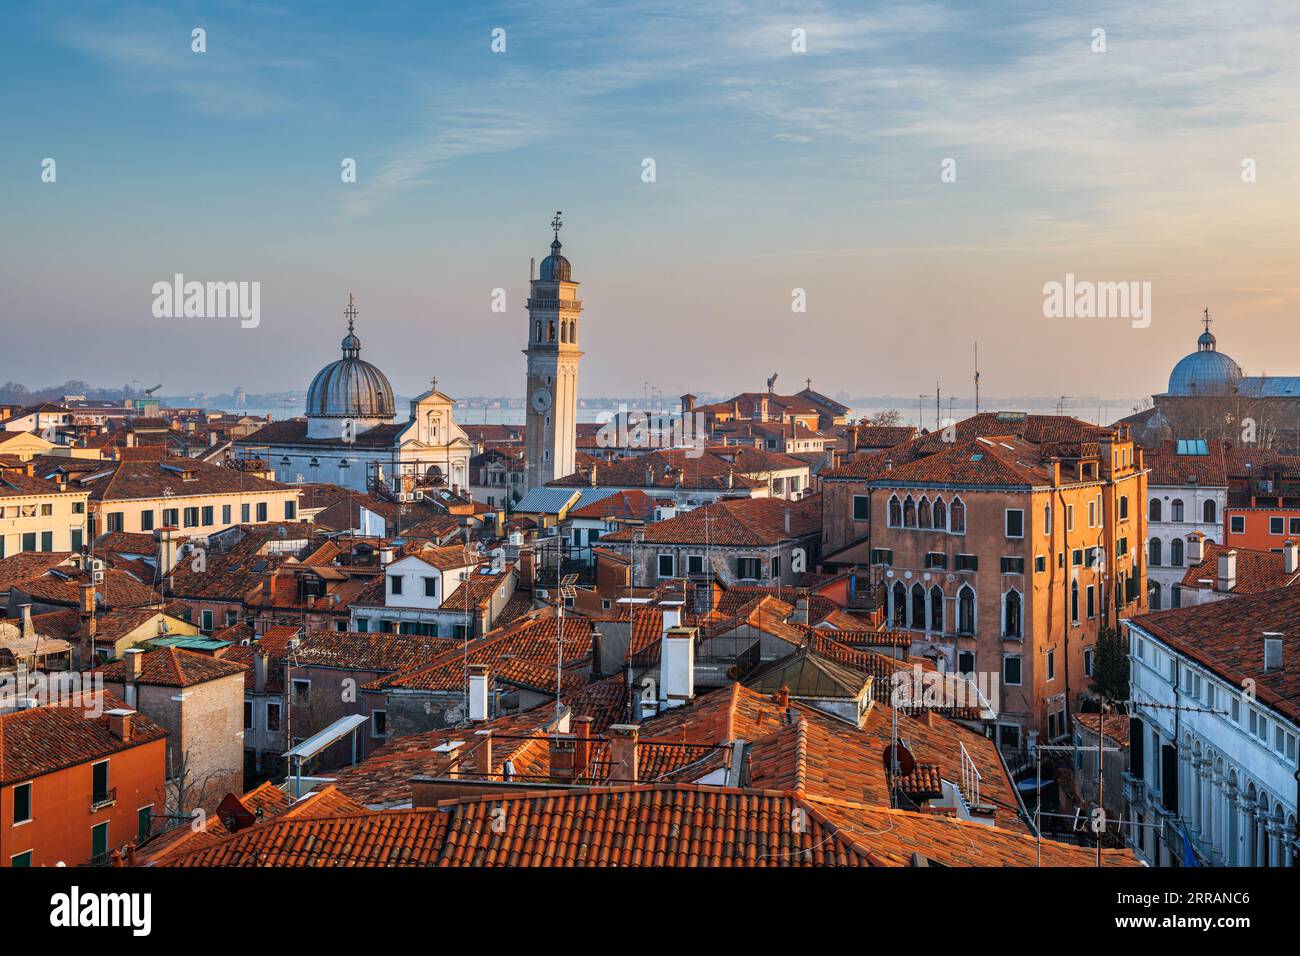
(63, 586)
(738, 522)
(172, 667)
(153, 479)
(1227, 637)
(293, 431)
(633, 505)
(1167, 467)
(1256, 570)
(478, 589)
(52, 737)
(1116, 725)
(30, 564)
(370, 650)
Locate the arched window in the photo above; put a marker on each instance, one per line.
(895, 512)
(900, 605)
(1176, 510)
(936, 609)
(957, 517)
(314, 467)
(1011, 626)
(966, 610)
(1176, 552)
(1074, 601)
(537, 330)
(909, 512)
(1210, 512)
(1153, 553)
(550, 330)
(923, 513)
(918, 607)
(285, 465)
(1153, 512)
(1153, 597)
(940, 513)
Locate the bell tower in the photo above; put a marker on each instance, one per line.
(551, 398)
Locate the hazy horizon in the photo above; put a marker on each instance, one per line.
(774, 171)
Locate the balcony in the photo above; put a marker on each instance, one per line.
(99, 801)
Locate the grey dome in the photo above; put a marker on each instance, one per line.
(555, 268)
(1207, 371)
(350, 387)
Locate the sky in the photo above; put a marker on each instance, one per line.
(775, 170)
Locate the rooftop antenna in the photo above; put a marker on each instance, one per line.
(1062, 403)
(977, 378)
(566, 592)
(937, 411)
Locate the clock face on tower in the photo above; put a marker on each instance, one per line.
(541, 400)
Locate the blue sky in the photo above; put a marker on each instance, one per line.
(775, 170)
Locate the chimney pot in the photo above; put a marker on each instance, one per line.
(1227, 579)
(622, 753)
(480, 677)
(27, 619)
(1291, 557)
(133, 657)
(483, 756)
(119, 723)
(452, 751)
(677, 666)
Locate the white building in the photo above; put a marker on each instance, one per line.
(1213, 737)
(1187, 490)
(348, 437)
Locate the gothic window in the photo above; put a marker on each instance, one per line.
(895, 512)
(1074, 601)
(940, 515)
(923, 513)
(957, 517)
(918, 607)
(900, 604)
(909, 512)
(537, 330)
(966, 610)
(1011, 616)
(936, 609)
(550, 331)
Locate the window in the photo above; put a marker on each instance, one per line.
(207, 515)
(231, 618)
(261, 511)
(1011, 670)
(273, 717)
(191, 517)
(1153, 510)
(47, 540)
(776, 567)
(290, 510)
(1051, 663)
(99, 792)
(695, 564)
(1013, 565)
(1087, 662)
(923, 513)
(76, 541)
(1047, 519)
(909, 512)
(940, 515)
(99, 841)
(205, 621)
(1123, 507)
(1295, 526)
(1154, 555)
(1040, 563)
(936, 609)
(966, 610)
(1176, 552)
(1210, 511)
(1076, 557)
(431, 587)
(22, 803)
(1011, 614)
(379, 723)
(29, 541)
(748, 569)
(1276, 526)
(171, 517)
(1237, 524)
(225, 514)
(245, 513)
(1015, 523)
(144, 823)
(1092, 514)
(667, 566)
(248, 715)
(1069, 517)
(965, 662)
(394, 584)
(21, 860)
(957, 517)
(936, 560)
(1092, 601)
(899, 599)
(115, 521)
(1008, 736)
(146, 520)
(968, 562)
(895, 519)
(861, 508)
(918, 607)
(1074, 602)
(882, 555)
(301, 690)
(1176, 510)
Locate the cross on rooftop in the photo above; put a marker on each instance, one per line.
(556, 224)
(1207, 320)
(351, 311)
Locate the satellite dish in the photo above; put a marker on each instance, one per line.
(906, 762)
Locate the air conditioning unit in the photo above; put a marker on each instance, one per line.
(97, 577)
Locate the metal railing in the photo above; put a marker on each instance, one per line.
(970, 779)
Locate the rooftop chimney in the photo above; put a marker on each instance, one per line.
(385, 556)
(672, 615)
(167, 548)
(582, 745)
(1227, 571)
(1272, 651)
(1195, 548)
(1291, 557)
(622, 753)
(133, 658)
(261, 663)
(801, 606)
(483, 755)
(597, 652)
(677, 667)
(451, 749)
(563, 747)
(119, 723)
(27, 619)
(480, 676)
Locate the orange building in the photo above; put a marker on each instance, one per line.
(1004, 547)
(78, 780)
(1263, 510)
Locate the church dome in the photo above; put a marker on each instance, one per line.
(350, 387)
(1207, 371)
(555, 268)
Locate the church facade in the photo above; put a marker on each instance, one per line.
(349, 438)
(551, 396)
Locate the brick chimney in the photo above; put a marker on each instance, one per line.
(622, 753)
(582, 745)
(167, 546)
(483, 755)
(451, 749)
(563, 748)
(86, 628)
(261, 664)
(119, 723)
(801, 606)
